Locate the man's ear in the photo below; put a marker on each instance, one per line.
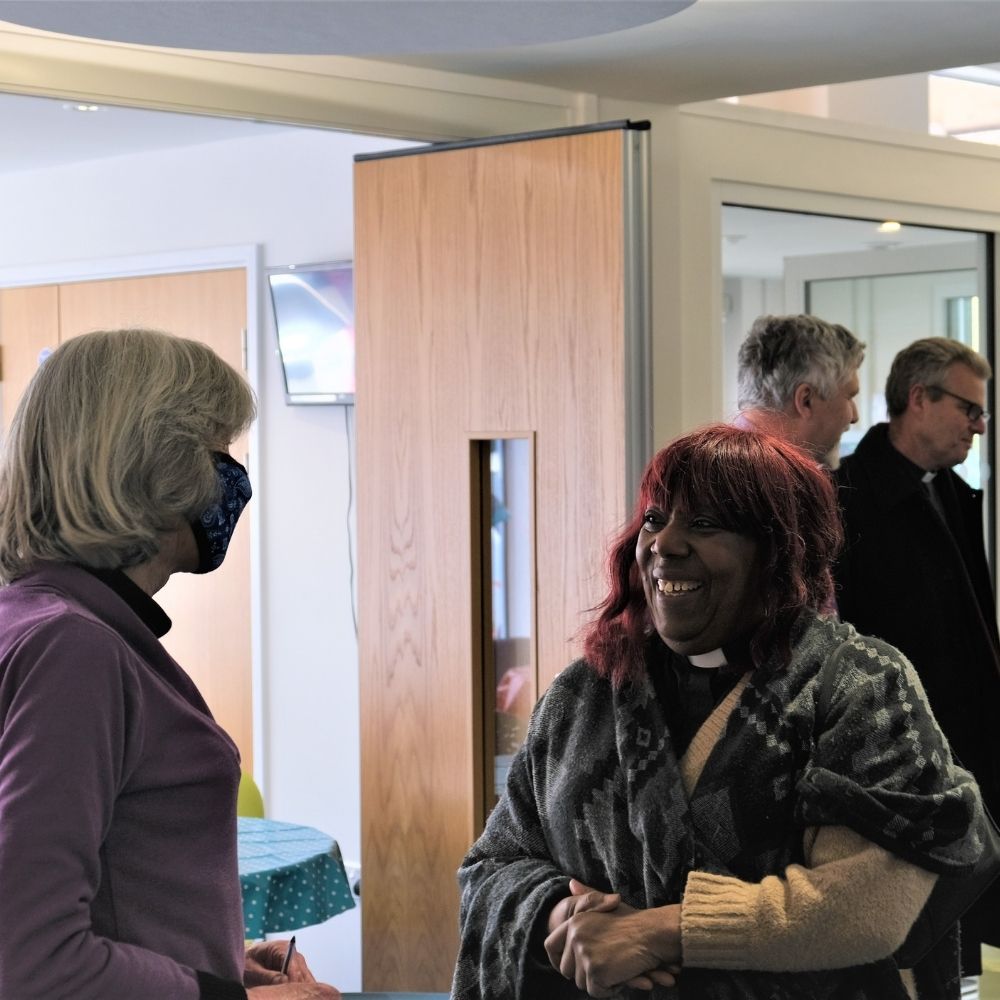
(917, 397)
(802, 399)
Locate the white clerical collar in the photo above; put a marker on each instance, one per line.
(708, 661)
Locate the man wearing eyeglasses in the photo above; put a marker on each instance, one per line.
(914, 569)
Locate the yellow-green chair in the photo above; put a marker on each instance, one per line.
(249, 801)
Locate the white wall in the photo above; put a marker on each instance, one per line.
(291, 193)
(897, 102)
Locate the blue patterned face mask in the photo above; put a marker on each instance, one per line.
(214, 529)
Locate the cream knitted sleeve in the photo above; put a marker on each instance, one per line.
(852, 903)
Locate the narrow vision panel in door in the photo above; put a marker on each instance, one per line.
(504, 590)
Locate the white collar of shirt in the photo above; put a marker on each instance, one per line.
(708, 661)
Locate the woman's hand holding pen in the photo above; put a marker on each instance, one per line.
(276, 970)
(603, 944)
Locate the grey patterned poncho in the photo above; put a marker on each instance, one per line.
(842, 735)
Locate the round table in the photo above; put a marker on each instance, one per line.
(291, 876)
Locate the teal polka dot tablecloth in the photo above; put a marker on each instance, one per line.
(291, 876)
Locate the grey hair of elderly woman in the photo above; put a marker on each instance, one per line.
(111, 447)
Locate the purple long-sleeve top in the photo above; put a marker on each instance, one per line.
(118, 872)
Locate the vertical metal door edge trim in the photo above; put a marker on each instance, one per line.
(637, 309)
(986, 280)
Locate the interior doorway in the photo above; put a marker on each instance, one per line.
(887, 281)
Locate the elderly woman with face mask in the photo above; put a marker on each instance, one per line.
(732, 795)
(118, 876)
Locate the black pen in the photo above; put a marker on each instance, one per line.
(288, 956)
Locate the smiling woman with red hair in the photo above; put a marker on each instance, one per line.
(758, 486)
(733, 794)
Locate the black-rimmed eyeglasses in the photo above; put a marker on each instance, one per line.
(972, 410)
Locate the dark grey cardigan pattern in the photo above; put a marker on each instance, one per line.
(842, 735)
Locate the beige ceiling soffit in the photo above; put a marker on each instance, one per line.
(347, 95)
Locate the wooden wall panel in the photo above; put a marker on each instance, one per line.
(490, 301)
(29, 322)
(210, 636)
(209, 306)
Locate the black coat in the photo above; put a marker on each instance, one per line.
(906, 578)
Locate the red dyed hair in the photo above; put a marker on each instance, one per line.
(755, 484)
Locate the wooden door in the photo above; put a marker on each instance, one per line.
(29, 323)
(493, 292)
(210, 636)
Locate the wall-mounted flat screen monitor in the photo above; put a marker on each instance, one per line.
(314, 316)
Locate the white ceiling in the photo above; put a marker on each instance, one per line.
(710, 49)
(720, 48)
(37, 132)
(705, 49)
(756, 242)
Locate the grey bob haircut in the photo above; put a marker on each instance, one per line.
(111, 446)
(782, 352)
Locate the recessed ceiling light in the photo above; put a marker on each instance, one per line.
(81, 107)
(889, 226)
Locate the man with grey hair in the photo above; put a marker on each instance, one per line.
(914, 569)
(798, 376)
